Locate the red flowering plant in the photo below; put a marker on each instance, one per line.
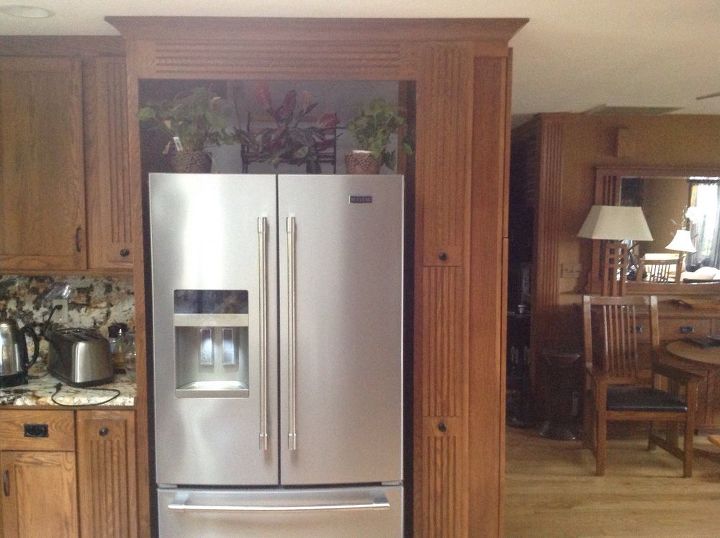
(293, 139)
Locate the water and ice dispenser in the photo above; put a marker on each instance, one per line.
(211, 343)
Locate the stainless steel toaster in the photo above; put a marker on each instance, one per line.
(79, 357)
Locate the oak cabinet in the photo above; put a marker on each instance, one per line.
(68, 473)
(41, 164)
(64, 164)
(39, 494)
(106, 473)
(106, 164)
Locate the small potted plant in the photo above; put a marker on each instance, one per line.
(372, 128)
(294, 138)
(192, 120)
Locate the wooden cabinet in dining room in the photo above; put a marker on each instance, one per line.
(41, 164)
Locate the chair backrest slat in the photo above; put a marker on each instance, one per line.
(610, 332)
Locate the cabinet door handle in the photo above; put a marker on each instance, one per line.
(6, 483)
(125, 253)
(103, 431)
(77, 238)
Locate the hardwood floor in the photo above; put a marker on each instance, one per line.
(551, 489)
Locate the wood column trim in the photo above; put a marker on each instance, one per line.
(547, 232)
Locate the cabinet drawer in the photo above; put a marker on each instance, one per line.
(37, 430)
(672, 329)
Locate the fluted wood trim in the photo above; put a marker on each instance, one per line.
(547, 230)
(442, 367)
(442, 480)
(383, 59)
(106, 473)
(444, 135)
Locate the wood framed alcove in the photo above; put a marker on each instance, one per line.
(461, 71)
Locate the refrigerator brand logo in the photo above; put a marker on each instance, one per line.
(357, 199)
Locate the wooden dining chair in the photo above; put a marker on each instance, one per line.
(623, 373)
(658, 270)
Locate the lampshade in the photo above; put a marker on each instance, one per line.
(615, 222)
(682, 242)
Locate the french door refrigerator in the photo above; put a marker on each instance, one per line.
(277, 351)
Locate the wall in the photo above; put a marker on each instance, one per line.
(579, 143)
(93, 302)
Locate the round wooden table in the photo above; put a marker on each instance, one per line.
(704, 361)
(707, 356)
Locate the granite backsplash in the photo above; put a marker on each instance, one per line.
(93, 302)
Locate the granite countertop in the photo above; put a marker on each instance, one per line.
(41, 386)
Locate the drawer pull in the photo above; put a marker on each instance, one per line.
(125, 253)
(6, 483)
(36, 430)
(686, 329)
(442, 427)
(639, 329)
(103, 431)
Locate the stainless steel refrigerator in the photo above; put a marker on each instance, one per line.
(277, 352)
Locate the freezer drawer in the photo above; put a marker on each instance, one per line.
(321, 513)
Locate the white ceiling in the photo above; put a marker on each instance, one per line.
(572, 56)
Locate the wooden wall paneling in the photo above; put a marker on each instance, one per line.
(440, 504)
(106, 473)
(488, 245)
(546, 242)
(106, 164)
(41, 159)
(444, 133)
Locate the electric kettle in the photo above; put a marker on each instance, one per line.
(14, 362)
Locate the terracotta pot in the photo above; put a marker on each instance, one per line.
(191, 162)
(361, 162)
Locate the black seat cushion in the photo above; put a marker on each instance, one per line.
(623, 398)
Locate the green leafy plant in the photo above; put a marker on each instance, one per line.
(294, 139)
(193, 119)
(372, 128)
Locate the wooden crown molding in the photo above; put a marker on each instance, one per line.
(291, 29)
(81, 46)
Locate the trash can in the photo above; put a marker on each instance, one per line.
(563, 390)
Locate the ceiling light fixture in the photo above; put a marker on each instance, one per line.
(26, 12)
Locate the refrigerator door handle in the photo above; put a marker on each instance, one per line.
(291, 311)
(262, 325)
(181, 503)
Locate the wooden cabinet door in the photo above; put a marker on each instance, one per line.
(42, 189)
(107, 164)
(39, 497)
(106, 473)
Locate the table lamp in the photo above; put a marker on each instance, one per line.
(614, 224)
(681, 243)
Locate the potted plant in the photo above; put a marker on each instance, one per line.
(292, 139)
(192, 120)
(372, 128)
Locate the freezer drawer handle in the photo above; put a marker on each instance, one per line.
(292, 424)
(379, 503)
(262, 261)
